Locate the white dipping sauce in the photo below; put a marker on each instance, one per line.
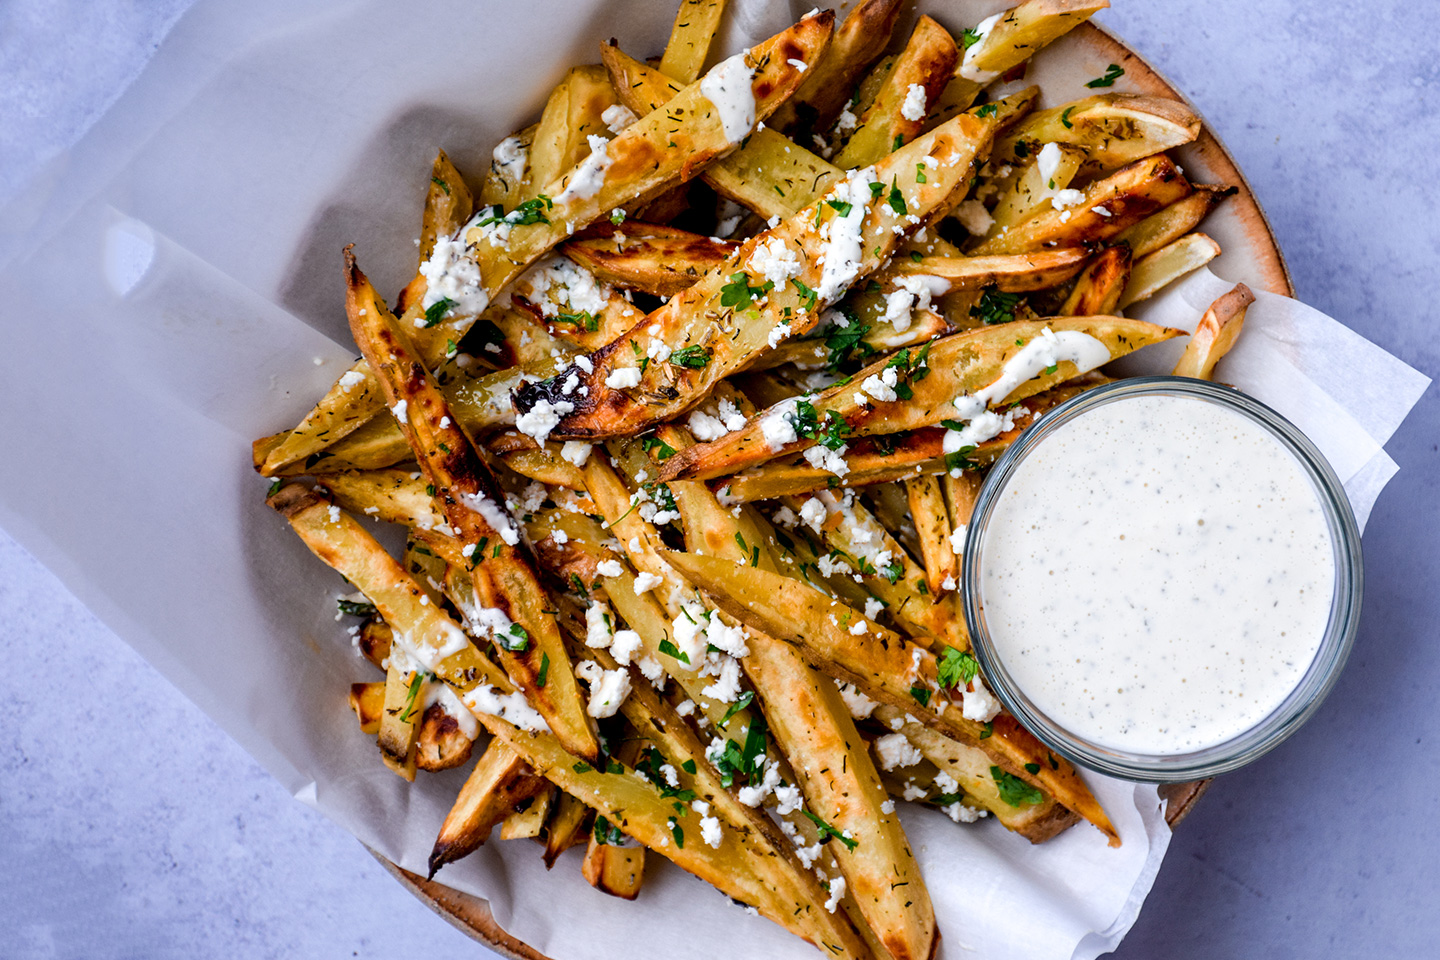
(1157, 575)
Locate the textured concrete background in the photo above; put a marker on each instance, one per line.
(131, 826)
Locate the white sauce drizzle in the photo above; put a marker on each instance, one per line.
(728, 87)
(1157, 575)
(968, 70)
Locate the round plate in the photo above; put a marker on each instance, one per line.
(1252, 257)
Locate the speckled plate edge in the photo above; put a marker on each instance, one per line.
(472, 915)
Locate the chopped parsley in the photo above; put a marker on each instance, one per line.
(808, 297)
(896, 199)
(649, 766)
(744, 701)
(677, 833)
(969, 38)
(828, 833)
(581, 320)
(1065, 118)
(416, 683)
(669, 648)
(739, 294)
(740, 764)
(995, 306)
(531, 211)
(987, 110)
(617, 216)
(356, 609)
(274, 486)
(1013, 790)
(663, 450)
(515, 639)
(922, 696)
(607, 834)
(920, 173)
(544, 673)
(693, 357)
(830, 433)
(909, 370)
(956, 668)
(1112, 73)
(441, 184)
(841, 207)
(437, 310)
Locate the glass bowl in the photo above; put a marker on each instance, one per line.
(1317, 680)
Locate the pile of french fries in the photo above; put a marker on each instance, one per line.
(685, 413)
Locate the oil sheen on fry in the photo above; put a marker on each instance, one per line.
(1158, 575)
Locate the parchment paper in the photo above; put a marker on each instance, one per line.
(174, 291)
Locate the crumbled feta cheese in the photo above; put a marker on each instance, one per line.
(778, 426)
(914, 106)
(881, 385)
(814, 514)
(957, 539)
(623, 377)
(537, 422)
(873, 608)
(589, 175)
(608, 688)
(625, 645)
(894, 750)
(645, 580)
(774, 261)
(859, 705)
(576, 451)
(788, 799)
(887, 806)
(831, 461)
(979, 704)
(843, 253)
(726, 687)
(451, 273)
(1066, 198)
(351, 378)
(617, 117)
(609, 568)
(974, 218)
(837, 893)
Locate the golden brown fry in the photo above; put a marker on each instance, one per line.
(441, 742)
(399, 719)
(569, 825)
(1013, 273)
(615, 868)
(368, 702)
(505, 180)
(528, 819)
(894, 118)
(501, 779)
(862, 37)
(639, 256)
(932, 523)
(1013, 37)
(1215, 334)
(1100, 285)
(1173, 222)
(474, 504)
(1109, 206)
(1168, 264)
(1113, 129)
(690, 38)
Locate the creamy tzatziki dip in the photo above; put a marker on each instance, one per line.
(1157, 574)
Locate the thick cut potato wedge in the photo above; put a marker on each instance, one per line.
(1112, 128)
(368, 701)
(657, 260)
(501, 780)
(932, 523)
(1107, 207)
(958, 366)
(1013, 273)
(1006, 41)
(690, 38)
(886, 668)
(527, 640)
(569, 824)
(704, 334)
(897, 116)
(1170, 224)
(859, 40)
(1166, 265)
(1215, 334)
(1100, 286)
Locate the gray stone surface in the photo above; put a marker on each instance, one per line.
(131, 826)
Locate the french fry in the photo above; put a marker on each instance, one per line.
(1113, 129)
(1033, 189)
(1215, 334)
(885, 667)
(859, 40)
(1100, 286)
(507, 176)
(569, 826)
(616, 869)
(399, 719)
(657, 260)
(441, 742)
(970, 768)
(501, 779)
(368, 702)
(1171, 223)
(534, 657)
(1005, 42)
(571, 114)
(927, 507)
(1012, 273)
(961, 365)
(1107, 207)
(897, 116)
(528, 819)
(1168, 264)
(707, 339)
(690, 38)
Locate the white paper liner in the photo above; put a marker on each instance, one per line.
(174, 292)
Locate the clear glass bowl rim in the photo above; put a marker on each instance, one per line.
(1301, 703)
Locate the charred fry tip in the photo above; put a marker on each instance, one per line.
(294, 497)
